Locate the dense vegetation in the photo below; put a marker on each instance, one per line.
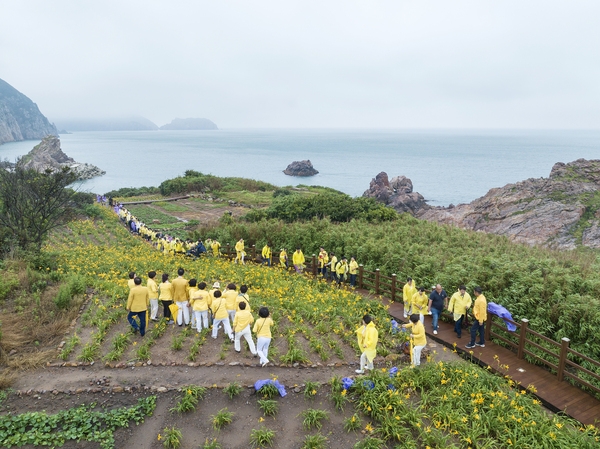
(194, 181)
(335, 206)
(557, 291)
(132, 191)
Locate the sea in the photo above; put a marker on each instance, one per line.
(445, 166)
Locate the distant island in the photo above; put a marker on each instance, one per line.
(183, 124)
(133, 123)
(20, 118)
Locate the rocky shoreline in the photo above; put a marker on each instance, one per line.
(561, 211)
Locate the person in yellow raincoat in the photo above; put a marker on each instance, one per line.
(419, 303)
(239, 252)
(407, 293)
(418, 336)
(367, 336)
(283, 258)
(216, 246)
(459, 303)
(266, 254)
(323, 259)
(298, 260)
(165, 295)
(353, 271)
(137, 305)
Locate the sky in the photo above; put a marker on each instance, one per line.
(309, 64)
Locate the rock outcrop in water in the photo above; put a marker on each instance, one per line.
(184, 124)
(48, 155)
(397, 193)
(300, 168)
(20, 118)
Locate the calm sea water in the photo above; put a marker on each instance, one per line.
(444, 166)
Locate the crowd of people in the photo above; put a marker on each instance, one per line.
(191, 303)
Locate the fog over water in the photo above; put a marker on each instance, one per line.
(310, 64)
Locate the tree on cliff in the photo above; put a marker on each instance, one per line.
(33, 203)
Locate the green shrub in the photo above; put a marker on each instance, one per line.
(63, 297)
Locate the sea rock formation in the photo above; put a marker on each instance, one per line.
(397, 193)
(190, 124)
(562, 211)
(48, 155)
(20, 118)
(300, 168)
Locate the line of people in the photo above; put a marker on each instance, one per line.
(188, 302)
(417, 301)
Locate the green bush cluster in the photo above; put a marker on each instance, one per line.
(194, 181)
(78, 424)
(127, 192)
(75, 285)
(338, 207)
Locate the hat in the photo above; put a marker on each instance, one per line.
(216, 285)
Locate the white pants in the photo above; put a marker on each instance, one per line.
(245, 332)
(364, 362)
(153, 308)
(262, 349)
(407, 308)
(422, 318)
(226, 326)
(231, 314)
(417, 355)
(201, 317)
(183, 315)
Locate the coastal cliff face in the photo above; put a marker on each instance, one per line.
(48, 155)
(562, 211)
(20, 118)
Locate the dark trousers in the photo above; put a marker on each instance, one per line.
(142, 317)
(353, 280)
(166, 310)
(458, 325)
(476, 327)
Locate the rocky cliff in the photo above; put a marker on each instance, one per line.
(190, 124)
(20, 118)
(48, 155)
(561, 211)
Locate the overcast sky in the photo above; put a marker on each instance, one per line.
(309, 64)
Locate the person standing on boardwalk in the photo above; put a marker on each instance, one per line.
(407, 293)
(459, 304)
(180, 296)
(239, 252)
(216, 246)
(367, 336)
(341, 269)
(480, 314)
(298, 260)
(438, 301)
(153, 291)
(353, 271)
(332, 263)
(137, 305)
(419, 303)
(418, 336)
(266, 254)
(323, 259)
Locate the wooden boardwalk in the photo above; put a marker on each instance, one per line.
(558, 396)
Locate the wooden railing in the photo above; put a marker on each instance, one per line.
(559, 358)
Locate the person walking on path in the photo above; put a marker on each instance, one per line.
(266, 254)
(298, 260)
(180, 296)
(332, 263)
(241, 326)
(367, 336)
(230, 296)
(438, 301)
(341, 269)
(407, 293)
(200, 301)
(353, 271)
(480, 314)
(137, 305)
(283, 258)
(459, 303)
(323, 259)
(165, 295)
(130, 282)
(239, 252)
(419, 303)
(262, 329)
(418, 336)
(153, 291)
(220, 316)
